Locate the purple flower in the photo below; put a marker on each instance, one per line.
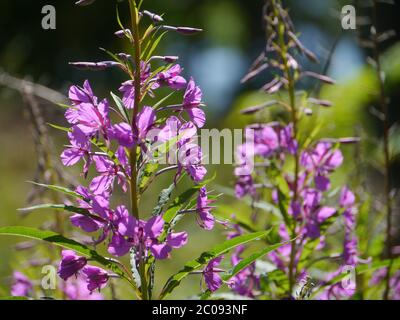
(96, 278)
(315, 218)
(175, 129)
(287, 141)
(323, 158)
(190, 157)
(246, 282)
(338, 291)
(97, 205)
(79, 95)
(90, 115)
(123, 226)
(265, 140)
(21, 286)
(122, 132)
(347, 198)
(144, 121)
(205, 219)
(350, 252)
(109, 171)
(128, 87)
(191, 102)
(211, 274)
(70, 264)
(171, 78)
(79, 149)
(76, 289)
(173, 241)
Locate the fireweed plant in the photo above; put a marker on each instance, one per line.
(282, 163)
(126, 144)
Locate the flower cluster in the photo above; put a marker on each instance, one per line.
(124, 143)
(277, 162)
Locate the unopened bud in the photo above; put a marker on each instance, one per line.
(153, 16)
(123, 33)
(84, 2)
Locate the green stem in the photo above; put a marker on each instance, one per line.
(133, 152)
(293, 110)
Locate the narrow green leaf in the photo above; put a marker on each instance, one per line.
(15, 298)
(58, 189)
(160, 102)
(146, 176)
(205, 257)
(61, 241)
(244, 263)
(155, 45)
(178, 203)
(54, 126)
(121, 107)
(163, 199)
(62, 207)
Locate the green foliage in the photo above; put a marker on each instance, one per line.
(205, 257)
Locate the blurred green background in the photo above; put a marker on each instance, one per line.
(217, 58)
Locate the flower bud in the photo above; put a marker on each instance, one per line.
(123, 33)
(84, 2)
(153, 16)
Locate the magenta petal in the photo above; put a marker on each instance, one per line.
(160, 251)
(70, 264)
(126, 223)
(118, 246)
(177, 83)
(197, 172)
(322, 183)
(103, 164)
(325, 213)
(213, 281)
(101, 184)
(122, 132)
(72, 115)
(71, 156)
(96, 278)
(154, 227)
(145, 119)
(347, 198)
(177, 240)
(197, 116)
(85, 223)
(207, 220)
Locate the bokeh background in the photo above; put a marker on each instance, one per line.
(218, 58)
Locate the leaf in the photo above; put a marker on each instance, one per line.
(15, 298)
(54, 126)
(244, 263)
(205, 257)
(58, 189)
(163, 199)
(121, 107)
(146, 176)
(61, 241)
(178, 203)
(160, 102)
(63, 207)
(283, 207)
(155, 45)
